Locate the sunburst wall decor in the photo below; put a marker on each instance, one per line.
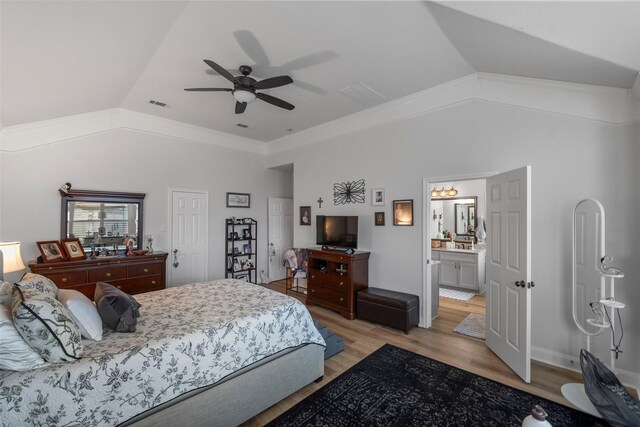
(348, 192)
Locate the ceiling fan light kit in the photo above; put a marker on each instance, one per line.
(244, 87)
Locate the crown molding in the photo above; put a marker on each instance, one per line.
(31, 135)
(599, 103)
(603, 104)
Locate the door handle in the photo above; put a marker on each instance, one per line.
(520, 283)
(175, 259)
(531, 284)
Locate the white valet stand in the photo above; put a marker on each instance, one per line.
(574, 392)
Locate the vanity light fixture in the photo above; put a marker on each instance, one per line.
(452, 192)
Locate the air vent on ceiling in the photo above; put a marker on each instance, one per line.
(158, 103)
(242, 125)
(363, 95)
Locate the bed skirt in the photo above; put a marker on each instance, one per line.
(243, 394)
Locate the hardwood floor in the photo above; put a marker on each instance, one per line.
(440, 343)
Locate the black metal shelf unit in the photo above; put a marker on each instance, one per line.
(240, 249)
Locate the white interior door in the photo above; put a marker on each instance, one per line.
(508, 328)
(189, 236)
(280, 235)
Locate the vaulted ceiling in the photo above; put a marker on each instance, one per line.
(66, 58)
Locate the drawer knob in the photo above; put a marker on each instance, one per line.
(50, 268)
(313, 276)
(341, 283)
(313, 290)
(341, 299)
(146, 270)
(65, 280)
(119, 287)
(108, 274)
(153, 282)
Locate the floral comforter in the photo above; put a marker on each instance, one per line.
(186, 338)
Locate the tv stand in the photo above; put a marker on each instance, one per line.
(334, 279)
(338, 249)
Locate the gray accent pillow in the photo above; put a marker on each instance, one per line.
(117, 309)
(45, 324)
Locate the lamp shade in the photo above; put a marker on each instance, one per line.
(12, 261)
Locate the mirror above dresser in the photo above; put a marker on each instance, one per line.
(102, 219)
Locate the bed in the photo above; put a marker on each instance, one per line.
(214, 353)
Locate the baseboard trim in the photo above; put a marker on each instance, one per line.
(628, 378)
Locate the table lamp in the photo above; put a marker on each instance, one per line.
(10, 258)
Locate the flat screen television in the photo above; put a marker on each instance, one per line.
(341, 231)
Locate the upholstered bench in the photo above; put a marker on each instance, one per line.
(390, 308)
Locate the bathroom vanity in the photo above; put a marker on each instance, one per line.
(461, 268)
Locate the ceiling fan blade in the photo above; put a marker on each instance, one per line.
(224, 73)
(240, 107)
(273, 82)
(251, 46)
(208, 89)
(275, 101)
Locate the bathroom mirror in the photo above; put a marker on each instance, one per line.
(457, 215)
(102, 218)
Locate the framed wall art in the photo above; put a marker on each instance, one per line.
(403, 212)
(377, 196)
(305, 215)
(238, 200)
(379, 218)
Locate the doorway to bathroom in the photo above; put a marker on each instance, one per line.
(455, 224)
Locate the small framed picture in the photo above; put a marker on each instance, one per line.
(377, 196)
(74, 249)
(238, 200)
(236, 251)
(246, 233)
(236, 265)
(403, 212)
(305, 215)
(51, 251)
(379, 218)
(247, 249)
(234, 235)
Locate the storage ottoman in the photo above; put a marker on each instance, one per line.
(390, 308)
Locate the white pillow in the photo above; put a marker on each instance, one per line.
(15, 353)
(83, 312)
(6, 293)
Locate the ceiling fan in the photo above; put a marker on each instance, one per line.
(245, 87)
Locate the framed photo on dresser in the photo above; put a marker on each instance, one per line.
(73, 248)
(51, 251)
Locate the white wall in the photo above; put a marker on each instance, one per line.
(571, 159)
(132, 161)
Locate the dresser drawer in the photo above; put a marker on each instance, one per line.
(331, 280)
(145, 270)
(107, 273)
(70, 278)
(328, 295)
(140, 285)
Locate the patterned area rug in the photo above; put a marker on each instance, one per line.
(458, 295)
(472, 326)
(395, 387)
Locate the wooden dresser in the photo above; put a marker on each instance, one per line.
(134, 274)
(334, 278)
